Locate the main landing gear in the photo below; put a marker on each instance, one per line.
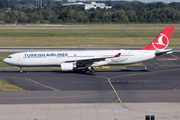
(90, 70)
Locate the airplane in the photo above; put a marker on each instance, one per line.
(70, 60)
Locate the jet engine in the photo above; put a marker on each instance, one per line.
(67, 66)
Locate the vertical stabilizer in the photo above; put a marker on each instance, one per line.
(162, 41)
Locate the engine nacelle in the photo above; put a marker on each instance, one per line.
(67, 66)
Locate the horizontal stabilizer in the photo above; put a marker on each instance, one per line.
(160, 52)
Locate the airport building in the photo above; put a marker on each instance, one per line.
(88, 5)
(39, 3)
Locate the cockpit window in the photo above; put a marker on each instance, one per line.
(9, 57)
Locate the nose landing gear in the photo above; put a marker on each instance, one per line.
(20, 69)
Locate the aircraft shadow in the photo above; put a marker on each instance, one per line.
(80, 71)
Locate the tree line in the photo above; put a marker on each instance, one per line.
(121, 12)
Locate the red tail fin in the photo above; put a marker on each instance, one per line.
(162, 41)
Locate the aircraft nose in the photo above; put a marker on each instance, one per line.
(5, 60)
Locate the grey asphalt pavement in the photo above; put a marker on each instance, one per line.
(76, 28)
(158, 85)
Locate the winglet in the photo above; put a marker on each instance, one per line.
(117, 55)
(162, 41)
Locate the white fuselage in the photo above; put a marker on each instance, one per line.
(80, 58)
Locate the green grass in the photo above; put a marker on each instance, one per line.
(115, 33)
(129, 25)
(98, 25)
(82, 38)
(5, 86)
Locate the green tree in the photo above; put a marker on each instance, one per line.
(22, 20)
(3, 4)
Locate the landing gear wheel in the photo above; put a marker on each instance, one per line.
(20, 69)
(89, 70)
(92, 70)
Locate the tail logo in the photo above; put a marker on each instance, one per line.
(161, 43)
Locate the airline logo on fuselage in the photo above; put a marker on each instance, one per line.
(161, 43)
(46, 55)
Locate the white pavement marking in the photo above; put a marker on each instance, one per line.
(89, 111)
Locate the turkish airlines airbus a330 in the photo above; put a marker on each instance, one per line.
(69, 60)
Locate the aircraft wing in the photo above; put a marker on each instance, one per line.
(94, 59)
(160, 52)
